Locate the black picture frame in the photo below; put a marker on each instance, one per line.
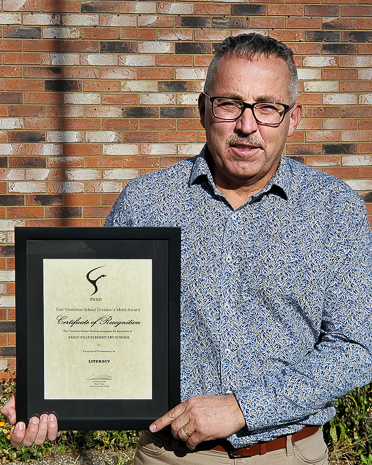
(163, 247)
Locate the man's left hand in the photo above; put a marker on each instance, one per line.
(202, 418)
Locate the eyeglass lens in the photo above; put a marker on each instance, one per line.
(265, 112)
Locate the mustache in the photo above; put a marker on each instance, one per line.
(250, 140)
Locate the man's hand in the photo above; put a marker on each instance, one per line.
(202, 418)
(37, 430)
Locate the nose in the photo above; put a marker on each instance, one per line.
(247, 123)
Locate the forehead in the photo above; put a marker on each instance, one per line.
(261, 77)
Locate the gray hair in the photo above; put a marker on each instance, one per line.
(249, 46)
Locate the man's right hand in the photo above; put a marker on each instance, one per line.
(37, 430)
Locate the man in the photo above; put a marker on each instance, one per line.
(276, 276)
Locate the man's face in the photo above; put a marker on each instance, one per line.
(245, 153)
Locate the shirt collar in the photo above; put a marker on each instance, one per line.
(279, 184)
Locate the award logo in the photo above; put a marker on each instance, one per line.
(93, 282)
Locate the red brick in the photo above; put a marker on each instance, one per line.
(211, 9)
(45, 223)
(310, 99)
(342, 173)
(292, 37)
(107, 33)
(365, 172)
(10, 45)
(137, 34)
(306, 48)
(82, 149)
(80, 73)
(353, 10)
(86, 46)
(25, 212)
(109, 199)
(356, 86)
(84, 223)
(119, 99)
(261, 22)
(364, 49)
(40, 123)
(82, 199)
(285, 10)
(11, 288)
(339, 74)
(303, 23)
(141, 162)
(168, 161)
(61, 6)
(21, 58)
(303, 149)
(96, 212)
(140, 136)
(172, 60)
(82, 124)
(323, 112)
(120, 125)
(11, 339)
(41, 45)
(184, 136)
(365, 124)
(101, 86)
(365, 23)
(49, 98)
(154, 73)
(158, 124)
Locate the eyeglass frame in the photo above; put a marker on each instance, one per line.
(251, 107)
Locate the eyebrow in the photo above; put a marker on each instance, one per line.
(259, 98)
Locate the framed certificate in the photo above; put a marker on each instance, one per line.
(98, 326)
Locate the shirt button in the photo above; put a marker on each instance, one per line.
(229, 259)
(228, 392)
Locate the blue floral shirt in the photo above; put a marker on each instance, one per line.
(275, 296)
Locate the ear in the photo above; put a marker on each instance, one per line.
(295, 118)
(201, 106)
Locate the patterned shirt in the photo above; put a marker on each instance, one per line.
(275, 295)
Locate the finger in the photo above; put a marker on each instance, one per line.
(193, 441)
(52, 427)
(42, 430)
(184, 433)
(8, 410)
(17, 433)
(168, 418)
(31, 431)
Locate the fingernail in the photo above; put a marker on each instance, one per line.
(153, 428)
(34, 421)
(21, 426)
(44, 418)
(52, 417)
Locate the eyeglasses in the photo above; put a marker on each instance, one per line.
(231, 109)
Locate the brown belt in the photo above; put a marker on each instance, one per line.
(263, 447)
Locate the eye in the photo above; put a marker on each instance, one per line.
(227, 103)
(269, 108)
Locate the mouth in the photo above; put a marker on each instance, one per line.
(245, 145)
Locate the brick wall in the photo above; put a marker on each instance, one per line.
(94, 93)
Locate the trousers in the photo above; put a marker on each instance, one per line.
(156, 449)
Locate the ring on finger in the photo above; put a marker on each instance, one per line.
(186, 432)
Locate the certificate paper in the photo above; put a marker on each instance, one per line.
(98, 325)
(97, 328)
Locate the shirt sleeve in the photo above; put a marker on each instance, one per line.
(342, 357)
(120, 214)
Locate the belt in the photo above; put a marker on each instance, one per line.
(263, 447)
